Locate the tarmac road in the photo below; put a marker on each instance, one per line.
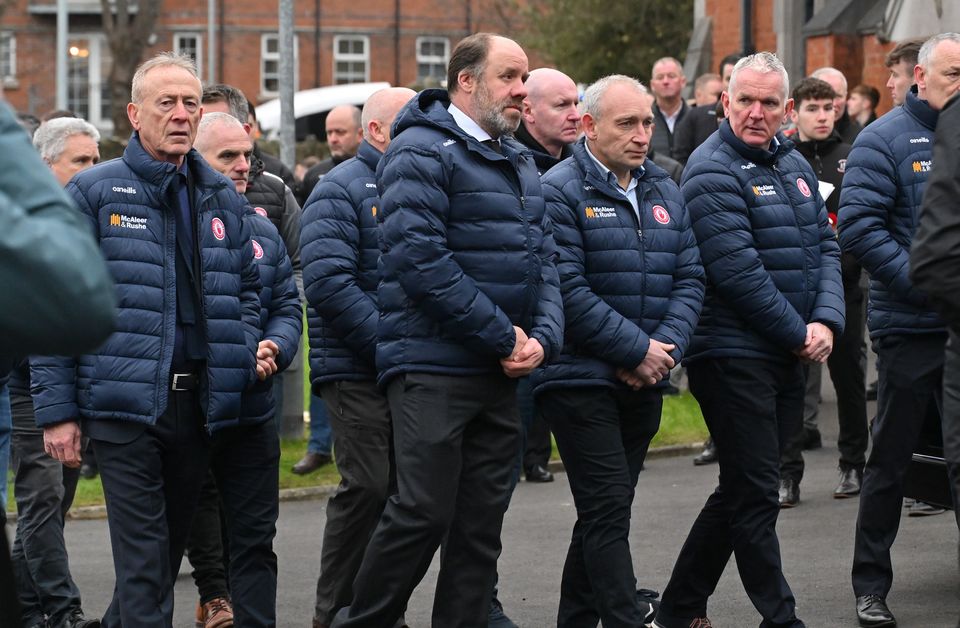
(816, 542)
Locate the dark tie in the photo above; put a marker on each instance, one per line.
(495, 145)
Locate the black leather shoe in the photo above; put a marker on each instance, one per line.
(708, 455)
(789, 494)
(538, 473)
(811, 439)
(849, 485)
(77, 620)
(872, 612)
(88, 470)
(311, 462)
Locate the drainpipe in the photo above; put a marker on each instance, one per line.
(746, 27)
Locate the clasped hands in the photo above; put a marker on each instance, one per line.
(527, 355)
(267, 352)
(655, 366)
(817, 345)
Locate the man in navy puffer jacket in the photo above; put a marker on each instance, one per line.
(880, 201)
(774, 299)
(340, 253)
(469, 300)
(185, 345)
(632, 286)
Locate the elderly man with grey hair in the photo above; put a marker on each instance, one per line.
(774, 300)
(883, 188)
(632, 286)
(67, 145)
(843, 125)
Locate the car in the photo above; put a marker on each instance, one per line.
(310, 107)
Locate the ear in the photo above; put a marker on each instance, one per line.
(793, 116)
(788, 107)
(527, 112)
(466, 82)
(133, 114)
(375, 129)
(920, 77)
(589, 126)
(725, 101)
(246, 128)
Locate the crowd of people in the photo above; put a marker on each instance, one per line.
(483, 265)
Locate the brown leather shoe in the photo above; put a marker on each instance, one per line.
(311, 462)
(217, 613)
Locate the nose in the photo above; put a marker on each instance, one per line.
(756, 110)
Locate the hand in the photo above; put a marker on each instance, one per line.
(62, 442)
(818, 343)
(524, 361)
(267, 352)
(521, 340)
(630, 378)
(656, 364)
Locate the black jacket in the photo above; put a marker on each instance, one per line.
(935, 256)
(541, 157)
(673, 167)
(663, 137)
(312, 176)
(271, 197)
(693, 130)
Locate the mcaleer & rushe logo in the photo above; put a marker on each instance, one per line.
(600, 212)
(127, 222)
(923, 165)
(764, 190)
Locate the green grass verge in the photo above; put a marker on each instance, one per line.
(681, 423)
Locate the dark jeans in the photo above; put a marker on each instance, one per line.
(951, 418)
(457, 440)
(151, 480)
(910, 372)
(44, 491)
(750, 406)
(360, 417)
(603, 435)
(848, 372)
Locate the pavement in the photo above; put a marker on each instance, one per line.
(816, 540)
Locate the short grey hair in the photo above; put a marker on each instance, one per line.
(926, 50)
(174, 59)
(594, 94)
(673, 60)
(762, 63)
(212, 119)
(819, 73)
(236, 101)
(51, 137)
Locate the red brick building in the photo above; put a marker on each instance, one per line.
(403, 42)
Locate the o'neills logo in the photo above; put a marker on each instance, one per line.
(803, 187)
(257, 249)
(127, 222)
(125, 190)
(660, 214)
(219, 231)
(260, 211)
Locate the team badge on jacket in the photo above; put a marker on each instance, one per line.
(661, 215)
(257, 249)
(803, 187)
(219, 231)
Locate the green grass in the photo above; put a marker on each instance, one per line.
(681, 423)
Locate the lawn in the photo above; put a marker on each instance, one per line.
(681, 423)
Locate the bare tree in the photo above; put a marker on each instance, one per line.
(127, 34)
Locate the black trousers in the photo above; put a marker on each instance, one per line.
(848, 372)
(751, 406)
(205, 546)
(44, 491)
(951, 418)
(457, 441)
(537, 446)
(360, 418)
(603, 435)
(150, 484)
(910, 373)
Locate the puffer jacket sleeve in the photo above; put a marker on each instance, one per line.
(249, 299)
(720, 222)
(285, 318)
(414, 246)
(290, 232)
(330, 245)
(829, 307)
(591, 323)
(867, 198)
(548, 320)
(686, 297)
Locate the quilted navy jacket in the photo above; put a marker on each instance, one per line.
(883, 187)
(466, 251)
(281, 319)
(624, 280)
(770, 254)
(338, 240)
(130, 206)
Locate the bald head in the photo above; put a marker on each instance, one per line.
(343, 132)
(550, 112)
(379, 112)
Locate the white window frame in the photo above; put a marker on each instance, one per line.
(351, 57)
(10, 78)
(97, 47)
(178, 46)
(265, 56)
(433, 59)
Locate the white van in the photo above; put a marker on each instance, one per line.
(310, 107)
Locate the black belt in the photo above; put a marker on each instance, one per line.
(181, 382)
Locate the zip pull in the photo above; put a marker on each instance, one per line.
(640, 233)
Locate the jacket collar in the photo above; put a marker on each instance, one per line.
(543, 159)
(651, 171)
(161, 173)
(369, 155)
(813, 147)
(756, 155)
(920, 109)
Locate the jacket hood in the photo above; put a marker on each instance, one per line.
(920, 109)
(756, 155)
(428, 108)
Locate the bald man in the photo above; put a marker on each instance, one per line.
(551, 120)
(344, 131)
(340, 253)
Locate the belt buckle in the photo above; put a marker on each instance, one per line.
(175, 386)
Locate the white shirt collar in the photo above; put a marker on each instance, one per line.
(605, 172)
(468, 124)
